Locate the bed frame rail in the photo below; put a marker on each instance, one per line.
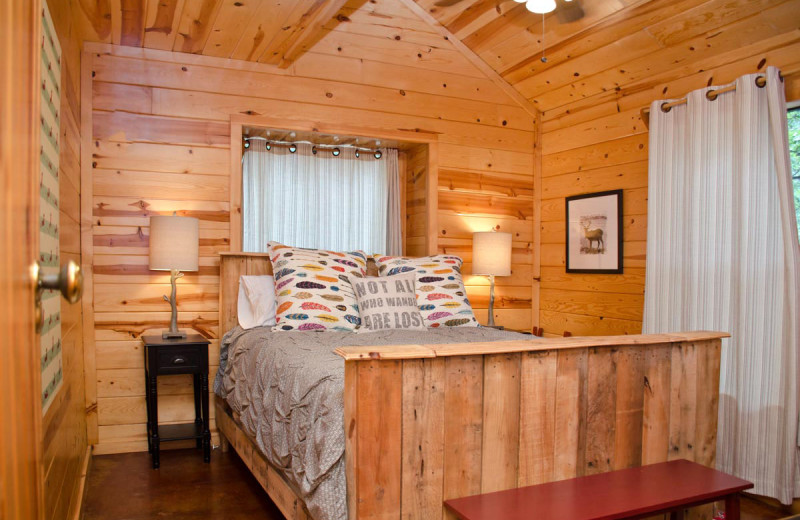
(271, 479)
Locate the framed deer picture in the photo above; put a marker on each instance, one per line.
(594, 233)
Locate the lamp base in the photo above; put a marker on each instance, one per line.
(177, 334)
(173, 332)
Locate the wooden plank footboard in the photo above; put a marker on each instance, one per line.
(426, 423)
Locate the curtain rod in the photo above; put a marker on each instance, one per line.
(711, 95)
(292, 145)
(328, 146)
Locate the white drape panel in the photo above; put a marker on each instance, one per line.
(722, 254)
(394, 224)
(319, 201)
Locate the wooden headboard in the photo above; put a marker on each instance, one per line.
(231, 267)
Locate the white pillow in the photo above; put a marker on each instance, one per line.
(257, 304)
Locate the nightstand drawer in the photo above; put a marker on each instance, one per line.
(176, 360)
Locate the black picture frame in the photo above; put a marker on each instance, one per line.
(590, 252)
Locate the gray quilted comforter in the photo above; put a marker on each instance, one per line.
(288, 390)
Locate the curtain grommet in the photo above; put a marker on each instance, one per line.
(761, 81)
(711, 95)
(665, 107)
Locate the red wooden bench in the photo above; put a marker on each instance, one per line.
(668, 487)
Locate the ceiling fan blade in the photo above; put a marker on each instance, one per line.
(446, 3)
(569, 11)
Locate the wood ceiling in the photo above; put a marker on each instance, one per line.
(618, 46)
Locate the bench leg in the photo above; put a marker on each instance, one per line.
(732, 507)
(677, 515)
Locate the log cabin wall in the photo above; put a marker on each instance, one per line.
(64, 424)
(594, 139)
(160, 143)
(414, 164)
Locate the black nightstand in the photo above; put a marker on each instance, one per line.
(164, 357)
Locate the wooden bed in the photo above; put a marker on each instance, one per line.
(425, 423)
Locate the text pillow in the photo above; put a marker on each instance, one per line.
(388, 302)
(441, 296)
(256, 304)
(312, 288)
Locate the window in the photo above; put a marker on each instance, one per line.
(312, 198)
(793, 118)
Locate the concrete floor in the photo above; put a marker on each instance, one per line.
(125, 487)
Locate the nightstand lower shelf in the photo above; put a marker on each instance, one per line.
(180, 432)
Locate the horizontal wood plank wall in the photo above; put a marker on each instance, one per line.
(482, 423)
(594, 138)
(160, 143)
(64, 425)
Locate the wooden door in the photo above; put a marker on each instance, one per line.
(20, 378)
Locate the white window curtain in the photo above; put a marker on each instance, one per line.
(320, 201)
(722, 254)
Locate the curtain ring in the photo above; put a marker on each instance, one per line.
(711, 95)
(761, 81)
(665, 107)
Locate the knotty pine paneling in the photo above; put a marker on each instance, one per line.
(64, 425)
(415, 161)
(594, 138)
(160, 143)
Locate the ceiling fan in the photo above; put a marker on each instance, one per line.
(568, 10)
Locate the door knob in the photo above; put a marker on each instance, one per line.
(69, 281)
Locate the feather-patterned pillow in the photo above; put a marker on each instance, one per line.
(441, 295)
(312, 288)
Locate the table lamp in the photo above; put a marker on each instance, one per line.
(491, 256)
(174, 248)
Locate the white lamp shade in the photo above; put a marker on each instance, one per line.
(174, 243)
(491, 253)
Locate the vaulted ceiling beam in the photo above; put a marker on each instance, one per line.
(308, 31)
(472, 57)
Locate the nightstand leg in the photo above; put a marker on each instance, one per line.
(154, 421)
(198, 418)
(206, 432)
(149, 421)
